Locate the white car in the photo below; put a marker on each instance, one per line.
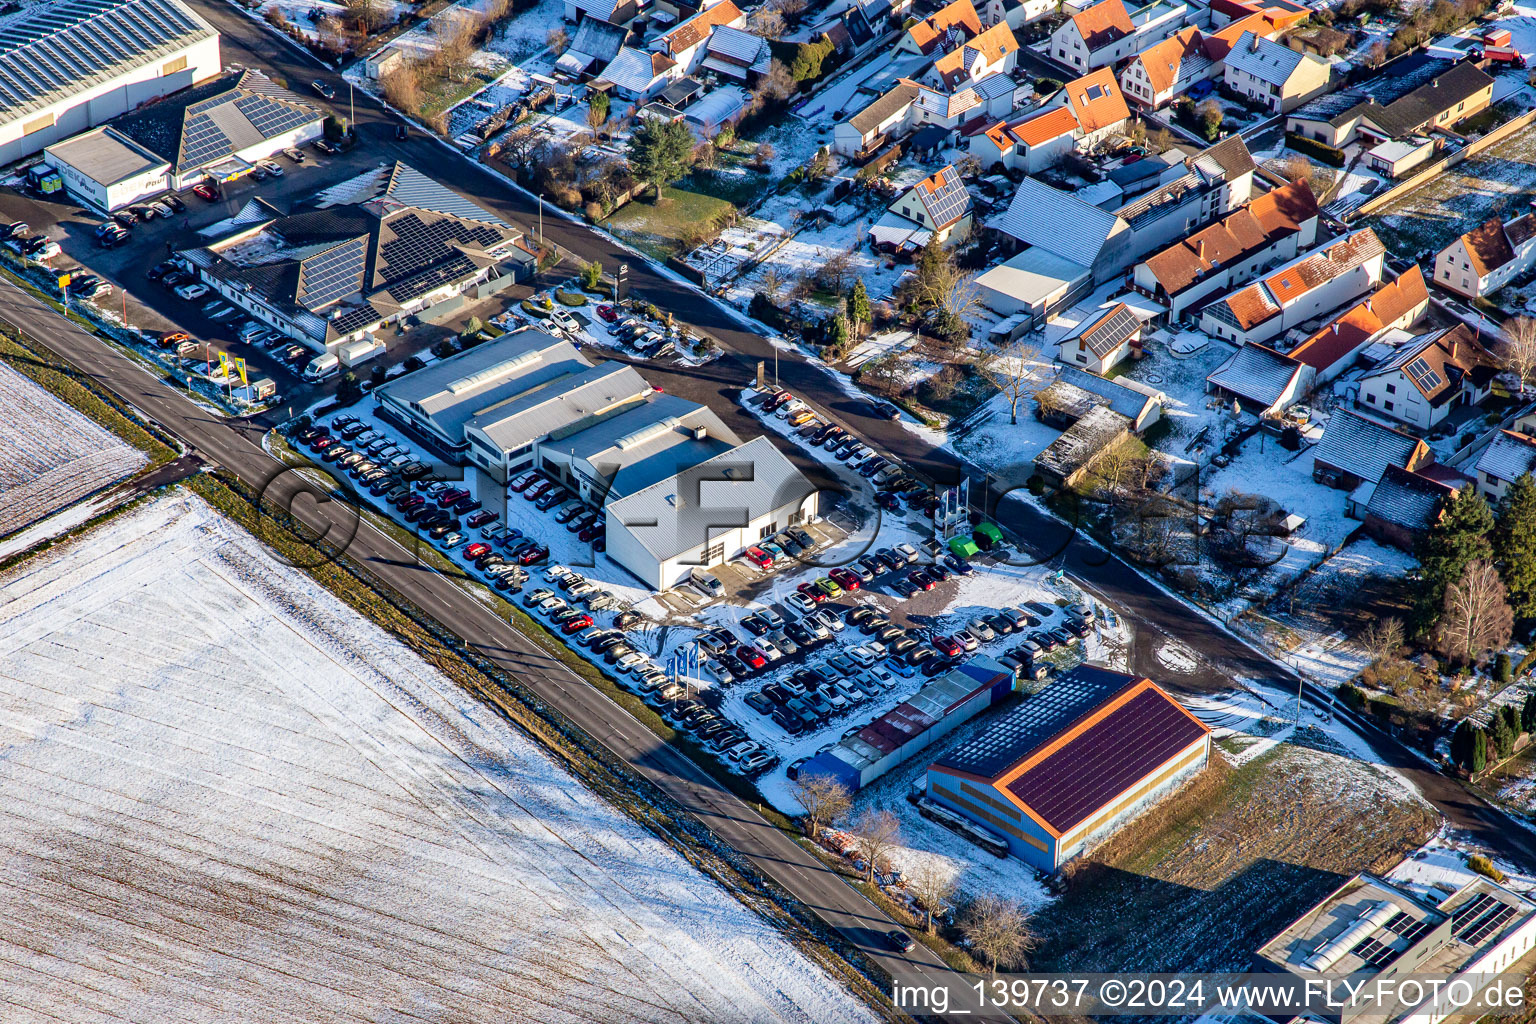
(980, 630)
(769, 648)
(799, 602)
(270, 167)
(626, 662)
(830, 694)
(49, 250)
(556, 572)
(719, 671)
(863, 656)
(752, 762)
(581, 589)
(564, 319)
(192, 291)
(966, 639)
(453, 540)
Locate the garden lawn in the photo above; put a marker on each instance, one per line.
(657, 229)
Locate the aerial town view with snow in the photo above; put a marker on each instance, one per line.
(738, 511)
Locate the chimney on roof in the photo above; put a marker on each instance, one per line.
(1368, 306)
(1434, 83)
(1200, 248)
(1253, 43)
(1455, 343)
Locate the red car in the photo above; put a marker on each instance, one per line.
(608, 313)
(205, 191)
(949, 646)
(758, 557)
(320, 444)
(592, 532)
(536, 488)
(476, 550)
(450, 496)
(482, 517)
(812, 591)
(848, 580)
(576, 625)
(752, 656)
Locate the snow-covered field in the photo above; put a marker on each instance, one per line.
(50, 454)
(226, 797)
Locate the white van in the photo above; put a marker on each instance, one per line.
(322, 368)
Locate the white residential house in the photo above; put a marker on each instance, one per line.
(686, 42)
(887, 118)
(1167, 69)
(993, 52)
(1106, 33)
(1508, 457)
(639, 75)
(69, 66)
(938, 206)
(1306, 287)
(1030, 145)
(1098, 105)
(1016, 13)
(1428, 376)
(1484, 259)
(1267, 230)
(1272, 76)
(1102, 341)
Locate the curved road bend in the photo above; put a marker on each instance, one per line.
(236, 447)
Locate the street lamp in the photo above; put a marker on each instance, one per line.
(541, 218)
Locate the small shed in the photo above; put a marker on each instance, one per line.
(964, 547)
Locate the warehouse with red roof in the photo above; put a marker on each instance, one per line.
(1072, 764)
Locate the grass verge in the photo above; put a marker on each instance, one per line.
(658, 228)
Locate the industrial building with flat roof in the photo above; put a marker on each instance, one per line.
(1373, 926)
(937, 709)
(679, 488)
(1072, 763)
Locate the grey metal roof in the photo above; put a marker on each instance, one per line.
(453, 390)
(1363, 447)
(1256, 373)
(56, 50)
(1041, 716)
(681, 513)
(1508, 456)
(557, 402)
(106, 157)
(643, 444)
(1127, 397)
(1265, 59)
(1057, 222)
(1406, 499)
(740, 46)
(631, 69)
(408, 186)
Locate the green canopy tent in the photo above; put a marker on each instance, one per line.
(988, 536)
(963, 546)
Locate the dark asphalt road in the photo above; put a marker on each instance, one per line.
(236, 447)
(1153, 614)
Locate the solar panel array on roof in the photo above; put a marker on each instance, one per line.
(356, 319)
(1375, 954)
(60, 47)
(333, 274)
(1034, 721)
(1106, 759)
(949, 200)
(418, 244)
(1424, 375)
(1409, 928)
(1485, 916)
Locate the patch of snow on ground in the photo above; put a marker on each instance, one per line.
(226, 795)
(1439, 867)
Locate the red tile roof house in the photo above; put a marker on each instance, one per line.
(1333, 349)
(1294, 293)
(1030, 145)
(1071, 765)
(946, 28)
(1227, 254)
(1107, 33)
(1484, 259)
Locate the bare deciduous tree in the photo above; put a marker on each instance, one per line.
(766, 22)
(833, 274)
(456, 47)
(775, 86)
(518, 145)
(1012, 372)
(877, 833)
(824, 798)
(557, 40)
(1476, 614)
(764, 155)
(933, 885)
(1517, 350)
(1381, 638)
(999, 930)
(367, 14)
(402, 87)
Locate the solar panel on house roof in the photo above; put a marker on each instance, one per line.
(1374, 953)
(1409, 928)
(949, 200)
(1476, 905)
(1424, 375)
(1491, 915)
